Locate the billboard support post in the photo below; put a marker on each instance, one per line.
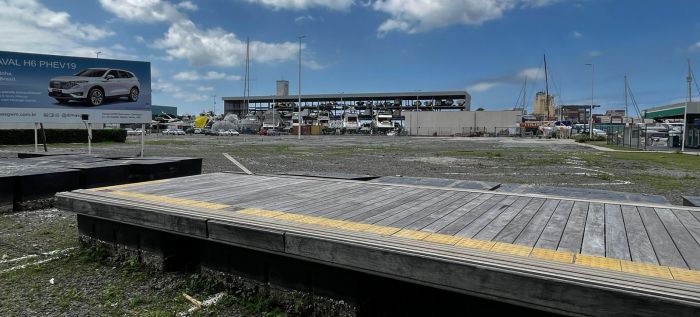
(89, 130)
(143, 136)
(36, 138)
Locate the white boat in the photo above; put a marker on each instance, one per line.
(272, 120)
(382, 121)
(250, 123)
(351, 121)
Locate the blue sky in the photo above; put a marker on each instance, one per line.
(488, 47)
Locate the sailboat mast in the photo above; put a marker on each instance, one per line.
(626, 92)
(546, 87)
(246, 88)
(687, 103)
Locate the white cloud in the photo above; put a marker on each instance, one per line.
(305, 4)
(205, 88)
(210, 75)
(577, 34)
(176, 91)
(482, 86)
(594, 53)
(304, 18)
(201, 47)
(28, 26)
(530, 74)
(695, 47)
(312, 64)
(144, 11)
(184, 40)
(188, 5)
(413, 16)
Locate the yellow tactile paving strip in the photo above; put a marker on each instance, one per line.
(652, 270)
(118, 187)
(169, 200)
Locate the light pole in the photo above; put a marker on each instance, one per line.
(98, 54)
(299, 106)
(417, 104)
(590, 121)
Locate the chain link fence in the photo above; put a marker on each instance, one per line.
(469, 131)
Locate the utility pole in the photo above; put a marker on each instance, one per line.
(626, 112)
(689, 79)
(546, 88)
(98, 54)
(590, 122)
(299, 106)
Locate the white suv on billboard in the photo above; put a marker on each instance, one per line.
(94, 85)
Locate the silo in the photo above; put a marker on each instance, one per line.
(282, 88)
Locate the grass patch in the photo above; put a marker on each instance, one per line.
(473, 153)
(667, 183)
(661, 160)
(611, 146)
(164, 142)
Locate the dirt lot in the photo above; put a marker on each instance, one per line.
(47, 273)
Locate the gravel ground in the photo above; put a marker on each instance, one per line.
(38, 246)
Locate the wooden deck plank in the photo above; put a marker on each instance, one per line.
(616, 245)
(572, 238)
(689, 248)
(404, 199)
(456, 213)
(435, 208)
(422, 223)
(534, 228)
(289, 196)
(594, 232)
(484, 219)
(690, 222)
(664, 247)
(390, 216)
(370, 196)
(397, 199)
(553, 231)
(337, 197)
(461, 222)
(641, 248)
(497, 225)
(520, 221)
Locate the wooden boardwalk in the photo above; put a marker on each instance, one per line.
(643, 253)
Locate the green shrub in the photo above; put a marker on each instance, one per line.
(583, 138)
(26, 136)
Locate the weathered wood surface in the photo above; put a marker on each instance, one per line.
(653, 234)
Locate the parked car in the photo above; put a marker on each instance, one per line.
(596, 132)
(95, 85)
(180, 132)
(228, 132)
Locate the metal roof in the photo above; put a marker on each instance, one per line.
(673, 110)
(360, 96)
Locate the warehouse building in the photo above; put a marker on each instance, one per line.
(402, 101)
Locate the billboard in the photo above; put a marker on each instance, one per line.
(60, 89)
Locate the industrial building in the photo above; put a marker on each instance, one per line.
(400, 101)
(576, 113)
(464, 123)
(673, 112)
(543, 108)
